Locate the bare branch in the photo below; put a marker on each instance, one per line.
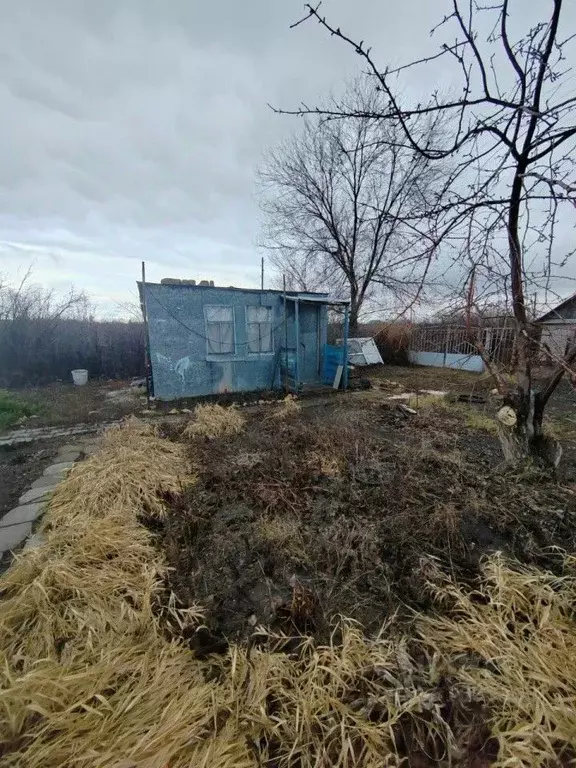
(496, 201)
(337, 196)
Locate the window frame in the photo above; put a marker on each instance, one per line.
(210, 353)
(270, 309)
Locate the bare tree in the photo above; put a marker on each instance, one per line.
(337, 197)
(512, 130)
(25, 300)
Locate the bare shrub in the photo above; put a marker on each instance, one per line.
(393, 342)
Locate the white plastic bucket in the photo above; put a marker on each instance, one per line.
(80, 376)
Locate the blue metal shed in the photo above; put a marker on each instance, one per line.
(205, 340)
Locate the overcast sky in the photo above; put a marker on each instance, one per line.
(131, 129)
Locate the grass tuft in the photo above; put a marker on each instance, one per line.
(214, 421)
(479, 420)
(13, 408)
(430, 402)
(473, 418)
(290, 407)
(281, 532)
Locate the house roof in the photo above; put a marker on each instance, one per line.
(553, 314)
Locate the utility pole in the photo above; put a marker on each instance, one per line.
(146, 356)
(285, 336)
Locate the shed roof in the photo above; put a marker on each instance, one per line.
(301, 295)
(322, 298)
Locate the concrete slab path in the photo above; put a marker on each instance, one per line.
(24, 435)
(17, 524)
(37, 494)
(59, 469)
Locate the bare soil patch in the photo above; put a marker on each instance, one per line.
(20, 465)
(339, 510)
(63, 404)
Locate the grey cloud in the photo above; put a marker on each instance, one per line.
(131, 129)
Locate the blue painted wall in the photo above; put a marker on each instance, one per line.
(181, 363)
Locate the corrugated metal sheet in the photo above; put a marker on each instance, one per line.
(362, 350)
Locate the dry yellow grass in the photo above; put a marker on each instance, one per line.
(326, 462)
(429, 402)
(90, 679)
(282, 532)
(289, 407)
(562, 428)
(80, 641)
(512, 645)
(474, 419)
(215, 421)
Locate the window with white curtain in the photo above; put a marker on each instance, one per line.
(259, 327)
(220, 330)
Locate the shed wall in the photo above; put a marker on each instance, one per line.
(180, 360)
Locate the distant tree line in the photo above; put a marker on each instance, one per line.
(43, 336)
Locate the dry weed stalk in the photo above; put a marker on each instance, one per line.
(214, 421)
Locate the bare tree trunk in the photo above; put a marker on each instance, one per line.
(520, 419)
(353, 324)
(355, 303)
(521, 434)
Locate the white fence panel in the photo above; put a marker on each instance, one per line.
(451, 346)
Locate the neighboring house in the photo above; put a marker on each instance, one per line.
(206, 340)
(558, 328)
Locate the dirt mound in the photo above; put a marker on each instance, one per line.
(340, 511)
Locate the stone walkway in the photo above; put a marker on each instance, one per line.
(18, 436)
(16, 525)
